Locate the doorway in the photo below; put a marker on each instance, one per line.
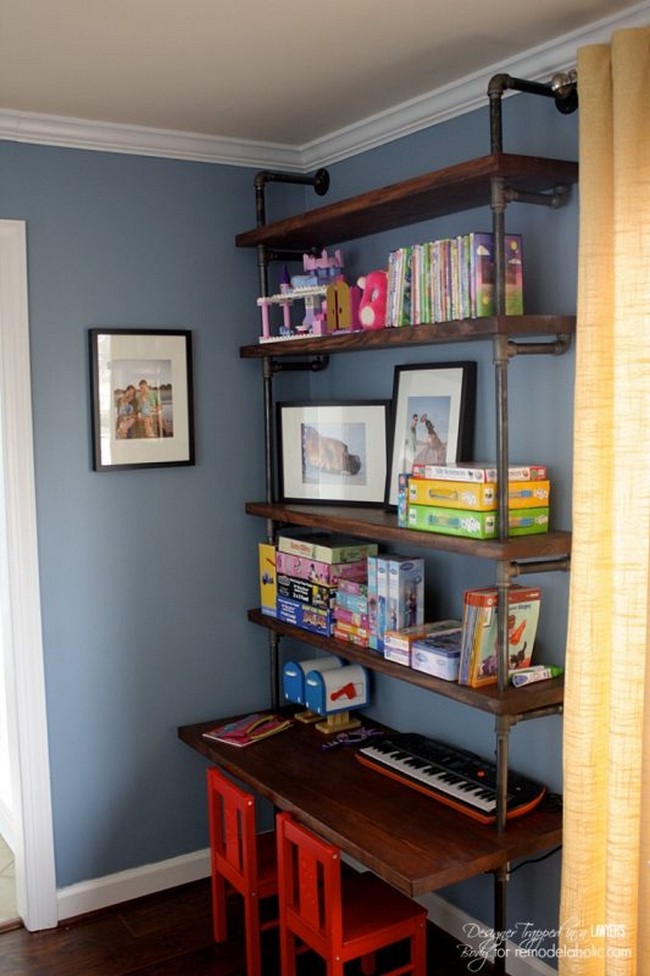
(29, 812)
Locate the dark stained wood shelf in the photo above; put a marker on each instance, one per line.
(375, 523)
(461, 330)
(445, 191)
(514, 701)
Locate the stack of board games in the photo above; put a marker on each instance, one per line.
(308, 570)
(479, 642)
(395, 595)
(463, 500)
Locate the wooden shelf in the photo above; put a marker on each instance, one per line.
(461, 330)
(445, 191)
(375, 523)
(514, 701)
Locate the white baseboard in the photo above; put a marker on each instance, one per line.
(89, 896)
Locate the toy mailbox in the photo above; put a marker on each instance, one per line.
(294, 674)
(333, 693)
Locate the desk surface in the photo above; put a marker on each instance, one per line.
(410, 840)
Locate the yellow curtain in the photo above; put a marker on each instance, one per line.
(605, 903)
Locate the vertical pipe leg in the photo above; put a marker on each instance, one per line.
(502, 743)
(500, 924)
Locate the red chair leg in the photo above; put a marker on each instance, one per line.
(287, 952)
(253, 953)
(419, 950)
(219, 916)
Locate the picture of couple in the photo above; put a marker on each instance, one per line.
(425, 440)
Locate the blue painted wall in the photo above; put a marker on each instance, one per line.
(146, 574)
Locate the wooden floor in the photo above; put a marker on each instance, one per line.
(168, 934)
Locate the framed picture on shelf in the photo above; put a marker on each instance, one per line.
(333, 452)
(433, 415)
(141, 390)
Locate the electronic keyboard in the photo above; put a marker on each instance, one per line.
(453, 776)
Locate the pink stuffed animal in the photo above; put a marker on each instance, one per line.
(372, 307)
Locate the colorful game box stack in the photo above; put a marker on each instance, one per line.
(462, 500)
(309, 569)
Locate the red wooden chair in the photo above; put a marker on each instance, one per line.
(339, 916)
(242, 859)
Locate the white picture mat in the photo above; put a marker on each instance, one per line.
(363, 425)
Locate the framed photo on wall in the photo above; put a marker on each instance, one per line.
(432, 417)
(141, 391)
(333, 452)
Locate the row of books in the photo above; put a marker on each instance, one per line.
(463, 501)
(451, 278)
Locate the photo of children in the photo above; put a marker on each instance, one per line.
(143, 400)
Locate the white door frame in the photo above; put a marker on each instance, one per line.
(32, 808)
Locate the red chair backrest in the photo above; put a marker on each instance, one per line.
(309, 878)
(232, 832)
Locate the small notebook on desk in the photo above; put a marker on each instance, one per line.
(249, 729)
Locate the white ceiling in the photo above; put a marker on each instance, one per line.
(280, 72)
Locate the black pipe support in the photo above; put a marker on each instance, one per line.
(320, 181)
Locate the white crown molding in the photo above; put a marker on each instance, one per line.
(444, 103)
(466, 95)
(53, 130)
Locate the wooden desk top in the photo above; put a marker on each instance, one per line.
(410, 840)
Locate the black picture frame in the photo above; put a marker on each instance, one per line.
(333, 452)
(432, 417)
(141, 393)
